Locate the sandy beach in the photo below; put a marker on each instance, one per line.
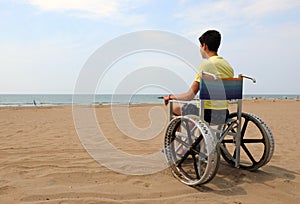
(42, 160)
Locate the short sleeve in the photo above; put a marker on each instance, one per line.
(197, 77)
(202, 67)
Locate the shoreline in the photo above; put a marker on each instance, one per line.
(135, 104)
(31, 100)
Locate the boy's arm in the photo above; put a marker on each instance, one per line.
(187, 96)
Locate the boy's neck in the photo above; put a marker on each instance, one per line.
(211, 54)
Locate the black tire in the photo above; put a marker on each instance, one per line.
(257, 143)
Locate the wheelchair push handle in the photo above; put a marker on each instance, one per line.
(248, 77)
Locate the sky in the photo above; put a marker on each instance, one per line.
(44, 44)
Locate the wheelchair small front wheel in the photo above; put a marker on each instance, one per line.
(191, 150)
(257, 142)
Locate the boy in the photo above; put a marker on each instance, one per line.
(214, 111)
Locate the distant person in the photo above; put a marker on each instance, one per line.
(34, 103)
(214, 64)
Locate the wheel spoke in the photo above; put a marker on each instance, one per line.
(195, 166)
(182, 159)
(228, 141)
(190, 150)
(184, 124)
(190, 140)
(234, 153)
(181, 142)
(244, 127)
(203, 155)
(253, 141)
(248, 154)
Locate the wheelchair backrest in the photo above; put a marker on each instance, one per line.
(221, 89)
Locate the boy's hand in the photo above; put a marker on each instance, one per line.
(167, 98)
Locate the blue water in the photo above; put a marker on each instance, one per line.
(67, 99)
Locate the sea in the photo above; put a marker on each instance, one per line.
(7, 100)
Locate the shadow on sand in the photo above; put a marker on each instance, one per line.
(229, 180)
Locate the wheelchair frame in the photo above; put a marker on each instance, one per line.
(205, 164)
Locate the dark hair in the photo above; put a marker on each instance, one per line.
(212, 39)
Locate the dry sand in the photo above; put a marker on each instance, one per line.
(43, 161)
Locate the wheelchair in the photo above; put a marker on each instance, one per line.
(192, 147)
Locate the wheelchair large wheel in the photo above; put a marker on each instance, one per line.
(257, 142)
(191, 150)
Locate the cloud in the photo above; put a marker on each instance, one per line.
(96, 8)
(262, 8)
(226, 14)
(120, 11)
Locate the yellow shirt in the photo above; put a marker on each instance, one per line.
(221, 68)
